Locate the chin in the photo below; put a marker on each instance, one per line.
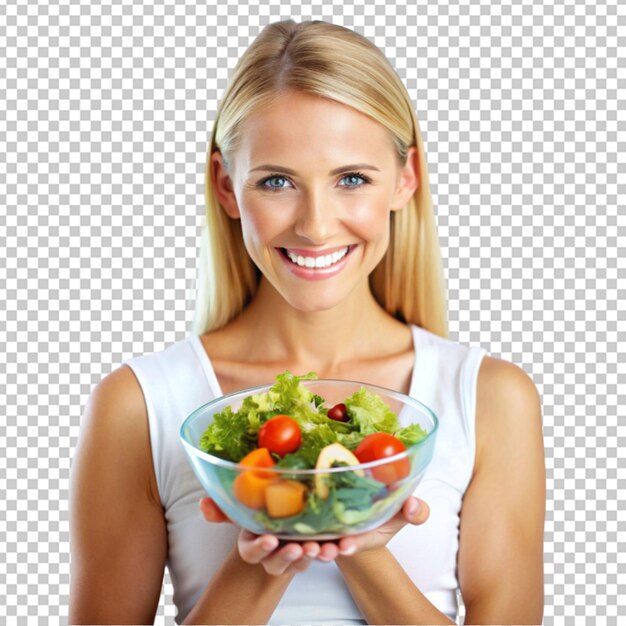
(314, 307)
(312, 304)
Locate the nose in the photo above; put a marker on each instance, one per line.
(317, 220)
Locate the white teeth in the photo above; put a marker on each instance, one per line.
(320, 261)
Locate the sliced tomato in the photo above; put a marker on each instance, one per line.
(380, 446)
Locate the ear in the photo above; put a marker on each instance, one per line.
(223, 186)
(408, 181)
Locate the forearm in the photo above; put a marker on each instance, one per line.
(384, 592)
(239, 593)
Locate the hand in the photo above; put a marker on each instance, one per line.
(379, 537)
(276, 556)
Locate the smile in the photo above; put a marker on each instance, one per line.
(317, 261)
(315, 266)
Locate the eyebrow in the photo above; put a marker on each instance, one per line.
(338, 170)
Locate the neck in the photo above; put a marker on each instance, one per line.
(313, 341)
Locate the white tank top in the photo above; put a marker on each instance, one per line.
(180, 378)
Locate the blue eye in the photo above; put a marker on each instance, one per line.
(364, 178)
(353, 175)
(262, 182)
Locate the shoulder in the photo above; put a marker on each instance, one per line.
(119, 393)
(505, 377)
(500, 382)
(508, 407)
(115, 422)
(116, 408)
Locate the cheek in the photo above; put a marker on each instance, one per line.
(256, 219)
(371, 218)
(261, 223)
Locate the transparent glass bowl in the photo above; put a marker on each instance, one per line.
(321, 519)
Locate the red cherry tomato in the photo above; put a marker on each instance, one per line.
(280, 434)
(380, 446)
(339, 413)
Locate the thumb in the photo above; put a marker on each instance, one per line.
(416, 511)
(212, 512)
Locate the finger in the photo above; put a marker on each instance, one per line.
(254, 548)
(212, 512)
(277, 562)
(348, 546)
(328, 552)
(302, 564)
(311, 549)
(416, 511)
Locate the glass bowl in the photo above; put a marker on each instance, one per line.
(367, 496)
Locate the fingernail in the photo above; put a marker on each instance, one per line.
(268, 544)
(291, 556)
(348, 551)
(414, 507)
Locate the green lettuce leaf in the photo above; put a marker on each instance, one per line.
(316, 439)
(411, 434)
(228, 436)
(370, 412)
(350, 440)
(231, 435)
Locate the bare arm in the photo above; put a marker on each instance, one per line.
(384, 592)
(502, 519)
(117, 528)
(240, 593)
(254, 576)
(119, 534)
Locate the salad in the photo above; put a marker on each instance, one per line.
(291, 427)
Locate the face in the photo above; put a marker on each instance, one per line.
(314, 183)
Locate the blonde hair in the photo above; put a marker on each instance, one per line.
(332, 61)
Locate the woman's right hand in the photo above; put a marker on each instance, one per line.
(276, 556)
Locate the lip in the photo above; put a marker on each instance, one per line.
(315, 273)
(315, 253)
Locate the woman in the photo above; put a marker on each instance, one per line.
(321, 255)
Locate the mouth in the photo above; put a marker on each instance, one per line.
(316, 266)
(316, 262)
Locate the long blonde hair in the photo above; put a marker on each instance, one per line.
(332, 61)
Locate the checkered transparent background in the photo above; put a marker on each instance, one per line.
(105, 114)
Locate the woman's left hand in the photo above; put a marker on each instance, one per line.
(380, 537)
